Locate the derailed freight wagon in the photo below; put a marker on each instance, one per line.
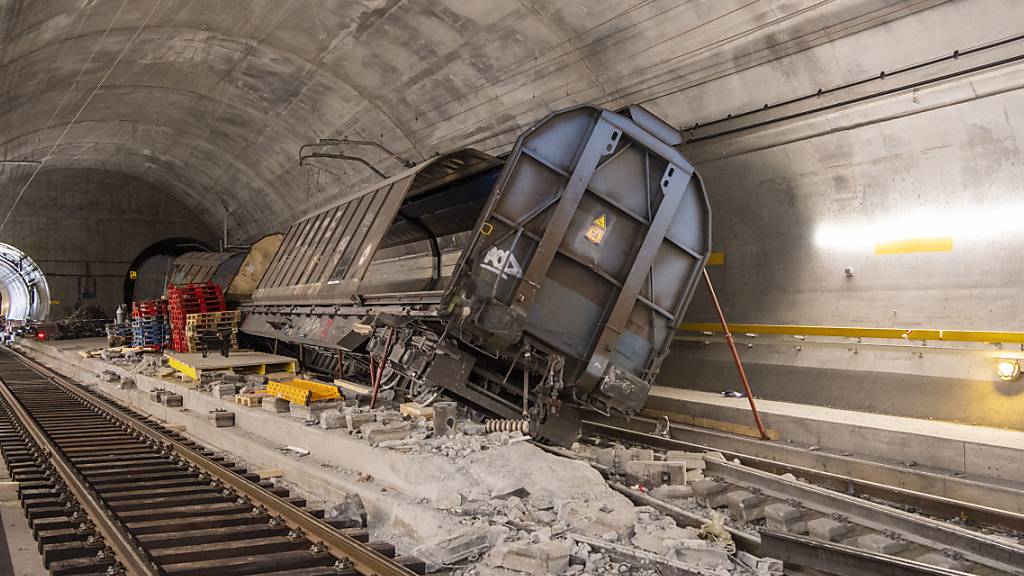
(526, 286)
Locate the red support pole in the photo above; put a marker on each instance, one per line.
(735, 356)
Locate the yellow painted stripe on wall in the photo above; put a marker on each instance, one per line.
(912, 245)
(858, 332)
(716, 259)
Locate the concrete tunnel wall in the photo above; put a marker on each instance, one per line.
(83, 228)
(210, 102)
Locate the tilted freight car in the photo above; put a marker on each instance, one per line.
(527, 285)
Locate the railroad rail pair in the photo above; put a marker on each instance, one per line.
(110, 491)
(934, 531)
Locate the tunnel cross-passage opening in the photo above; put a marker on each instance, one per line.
(24, 293)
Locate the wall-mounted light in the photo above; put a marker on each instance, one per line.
(1008, 369)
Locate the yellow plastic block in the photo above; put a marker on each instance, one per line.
(303, 391)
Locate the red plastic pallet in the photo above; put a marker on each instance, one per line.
(185, 299)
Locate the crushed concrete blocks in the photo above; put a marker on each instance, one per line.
(416, 410)
(746, 506)
(351, 510)
(223, 390)
(255, 380)
(331, 419)
(785, 518)
(376, 432)
(538, 559)
(672, 492)
(710, 493)
(615, 459)
(222, 418)
(828, 529)
(310, 412)
(172, 400)
(356, 420)
(110, 376)
(275, 404)
(658, 534)
(655, 473)
(882, 544)
(454, 548)
(761, 566)
(692, 460)
(447, 500)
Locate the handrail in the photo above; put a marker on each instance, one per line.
(991, 337)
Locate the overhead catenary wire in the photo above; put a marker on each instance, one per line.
(88, 99)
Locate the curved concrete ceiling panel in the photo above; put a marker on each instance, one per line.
(211, 100)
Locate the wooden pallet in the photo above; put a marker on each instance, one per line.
(213, 317)
(192, 364)
(252, 399)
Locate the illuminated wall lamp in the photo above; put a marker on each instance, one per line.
(1008, 370)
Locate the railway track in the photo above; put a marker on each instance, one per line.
(109, 491)
(862, 527)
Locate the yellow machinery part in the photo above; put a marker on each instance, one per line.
(303, 391)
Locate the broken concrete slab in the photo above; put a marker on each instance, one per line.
(672, 492)
(655, 473)
(305, 412)
(331, 419)
(375, 432)
(539, 559)
(275, 404)
(356, 420)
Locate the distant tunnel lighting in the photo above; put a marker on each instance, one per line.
(1008, 370)
(961, 223)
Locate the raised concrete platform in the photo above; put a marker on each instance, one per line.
(973, 451)
(408, 496)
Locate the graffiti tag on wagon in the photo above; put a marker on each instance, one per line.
(502, 263)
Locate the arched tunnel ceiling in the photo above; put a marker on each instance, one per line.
(211, 100)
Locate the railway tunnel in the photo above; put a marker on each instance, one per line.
(502, 288)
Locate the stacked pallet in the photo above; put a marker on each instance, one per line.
(185, 299)
(119, 334)
(220, 322)
(150, 329)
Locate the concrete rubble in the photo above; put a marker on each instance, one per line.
(495, 504)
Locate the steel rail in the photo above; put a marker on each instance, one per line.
(834, 558)
(984, 504)
(130, 555)
(998, 554)
(363, 558)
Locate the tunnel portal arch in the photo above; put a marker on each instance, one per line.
(24, 293)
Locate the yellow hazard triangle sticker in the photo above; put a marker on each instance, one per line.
(597, 229)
